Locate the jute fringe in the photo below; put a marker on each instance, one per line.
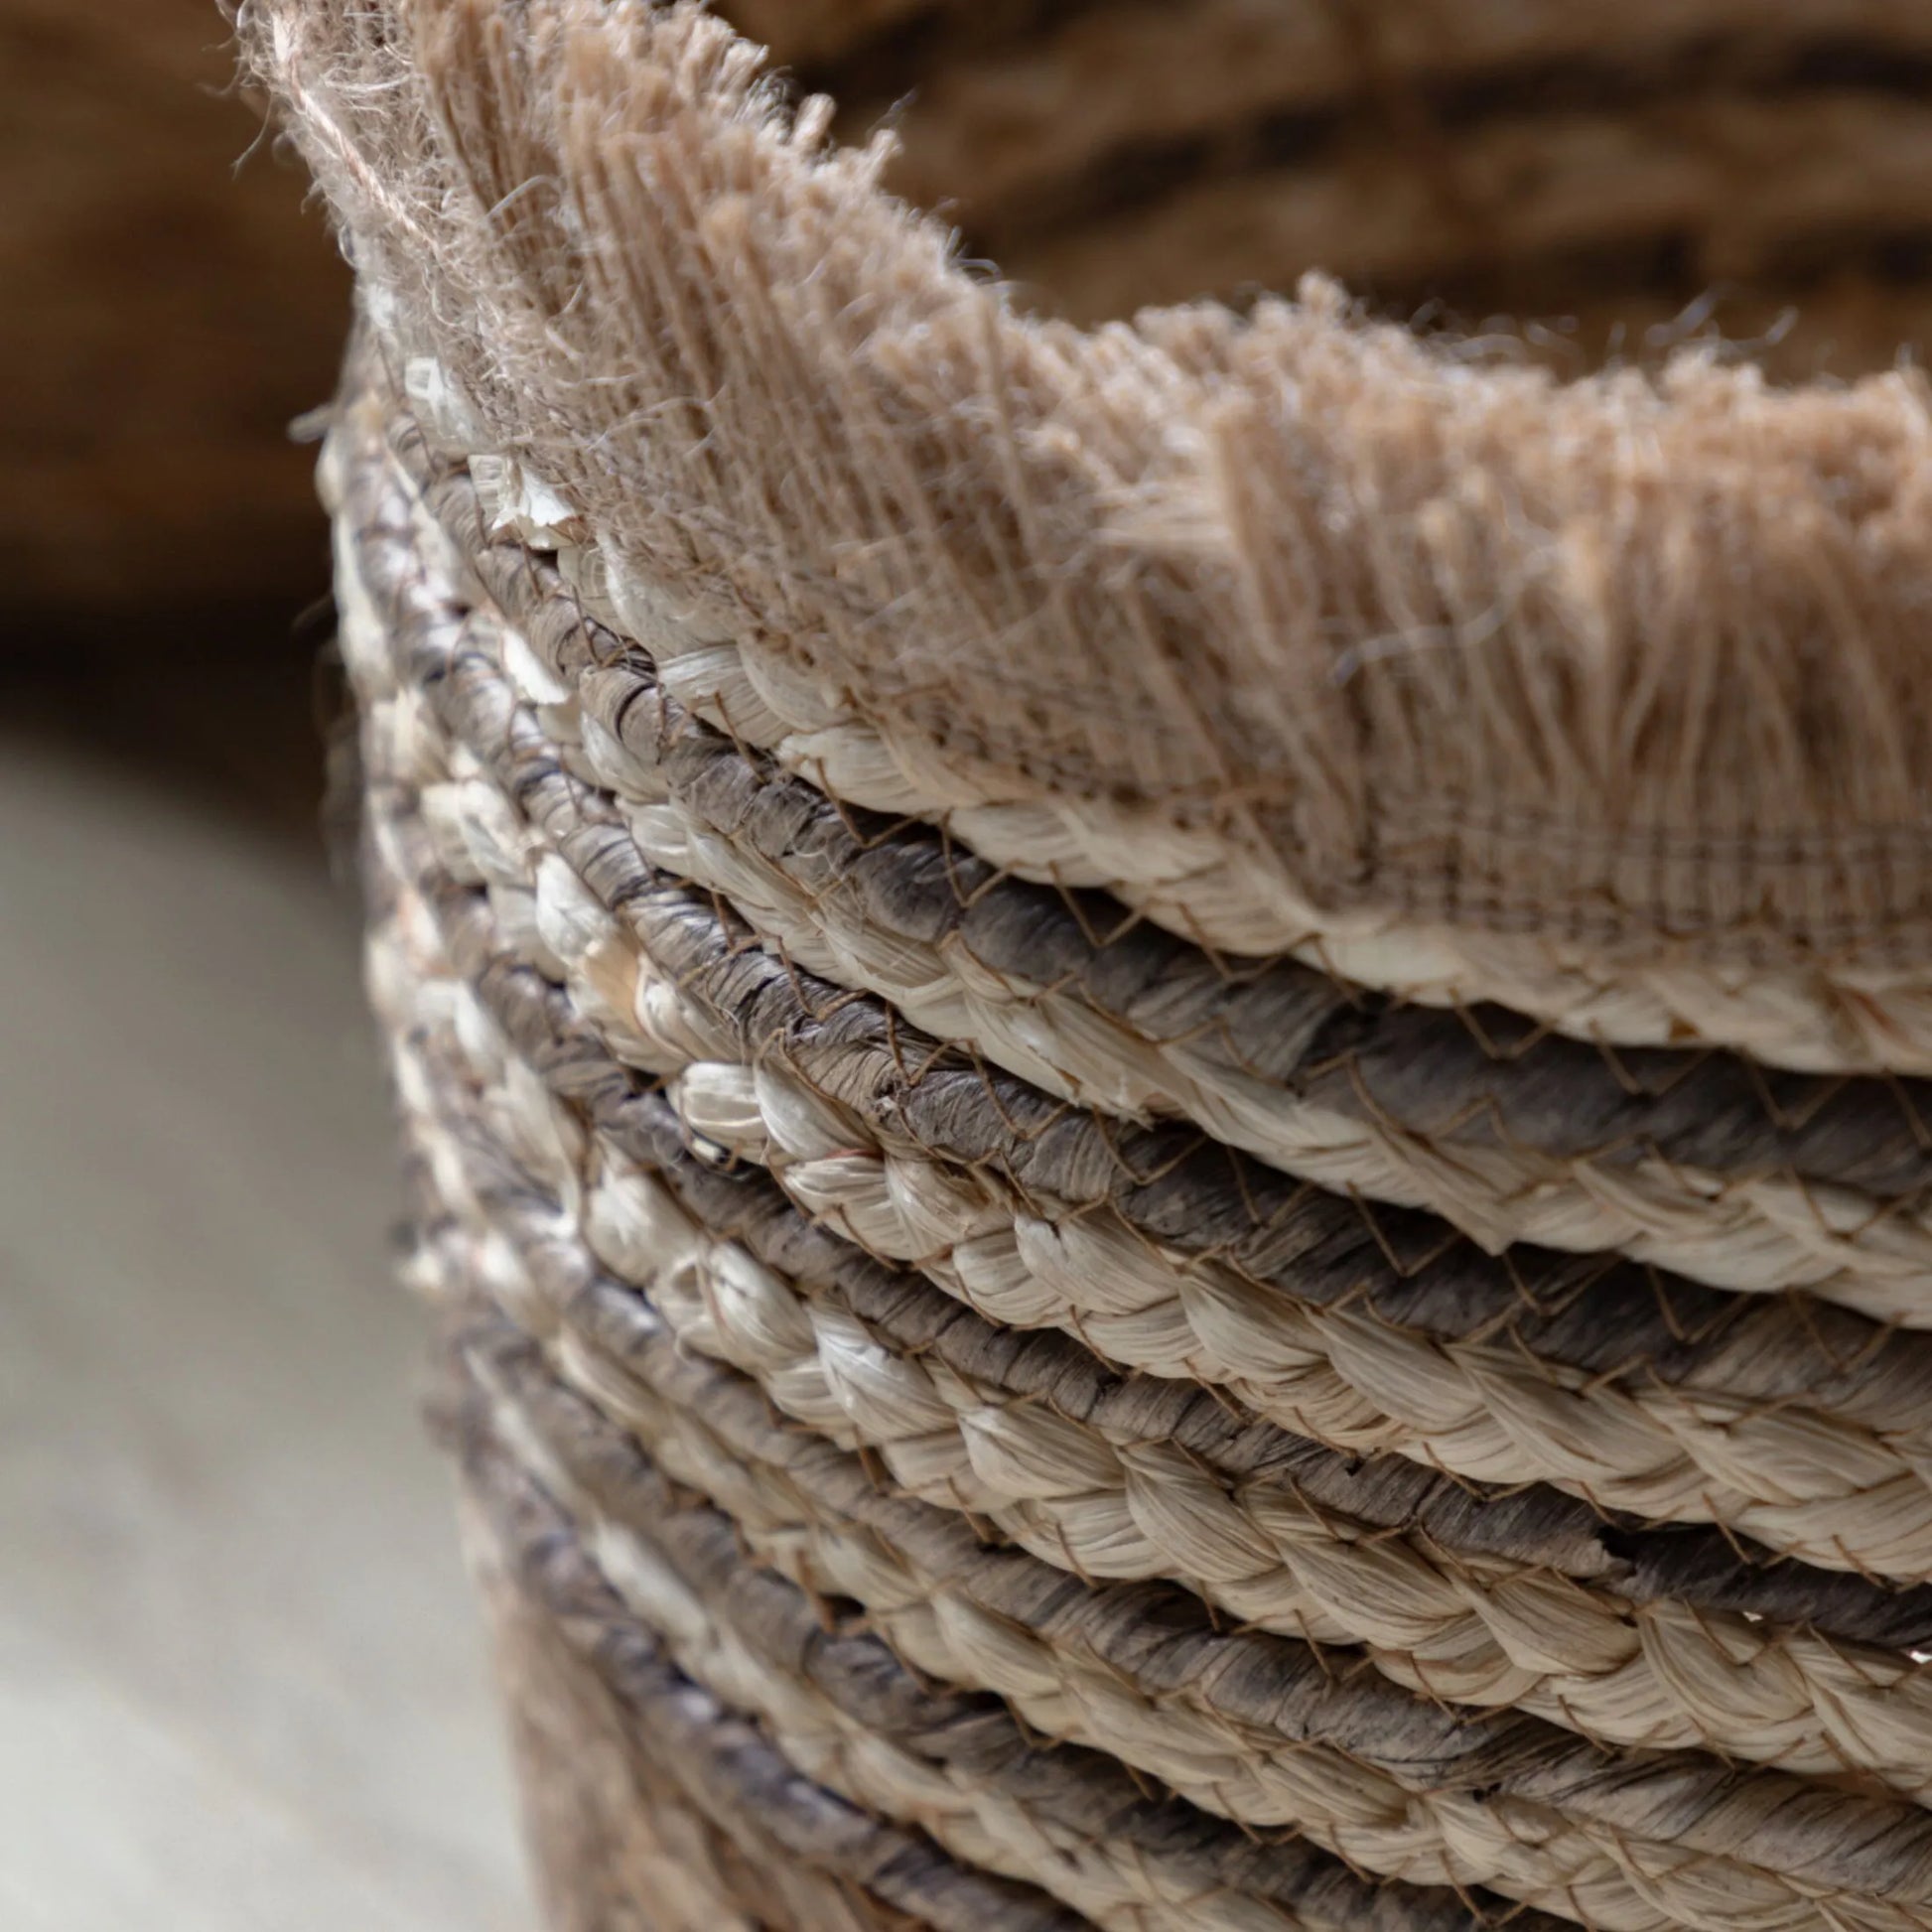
(1626, 664)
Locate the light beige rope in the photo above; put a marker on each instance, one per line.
(1118, 1886)
(542, 1133)
(1650, 1676)
(1492, 1636)
(1593, 1872)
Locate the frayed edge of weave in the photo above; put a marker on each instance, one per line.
(1628, 660)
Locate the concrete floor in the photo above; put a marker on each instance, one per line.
(242, 1681)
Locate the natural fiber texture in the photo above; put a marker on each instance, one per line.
(487, 772)
(689, 1402)
(1167, 1087)
(1687, 1444)
(1292, 628)
(1338, 1758)
(1073, 1816)
(609, 1832)
(1280, 1060)
(837, 1864)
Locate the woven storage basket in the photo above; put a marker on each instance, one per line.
(1166, 1079)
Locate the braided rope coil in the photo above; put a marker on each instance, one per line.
(1255, 1790)
(1100, 1507)
(711, 1301)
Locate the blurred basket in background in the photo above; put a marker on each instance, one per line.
(149, 277)
(1166, 1079)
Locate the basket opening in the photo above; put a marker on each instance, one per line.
(1615, 179)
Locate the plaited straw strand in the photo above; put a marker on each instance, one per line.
(870, 1874)
(1537, 1527)
(1137, 1509)
(1672, 1483)
(1405, 1104)
(1171, 1521)
(689, 1399)
(603, 1824)
(842, 1706)
(1528, 1524)
(1335, 1798)
(1407, 704)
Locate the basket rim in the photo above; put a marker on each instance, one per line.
(1631, 663)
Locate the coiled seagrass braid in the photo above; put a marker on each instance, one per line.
(1320, 1573)
(1538, 1526)
(611, 1827)
(1699, 1462)
(1065, 1495)
(1067, 1815)
(702, 1403)
(844, 1868)
(1589, 1845)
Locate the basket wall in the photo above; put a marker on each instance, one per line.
(983, 1404)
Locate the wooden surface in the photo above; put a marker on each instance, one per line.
(241, 1678)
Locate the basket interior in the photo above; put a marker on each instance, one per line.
(1577, 182)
